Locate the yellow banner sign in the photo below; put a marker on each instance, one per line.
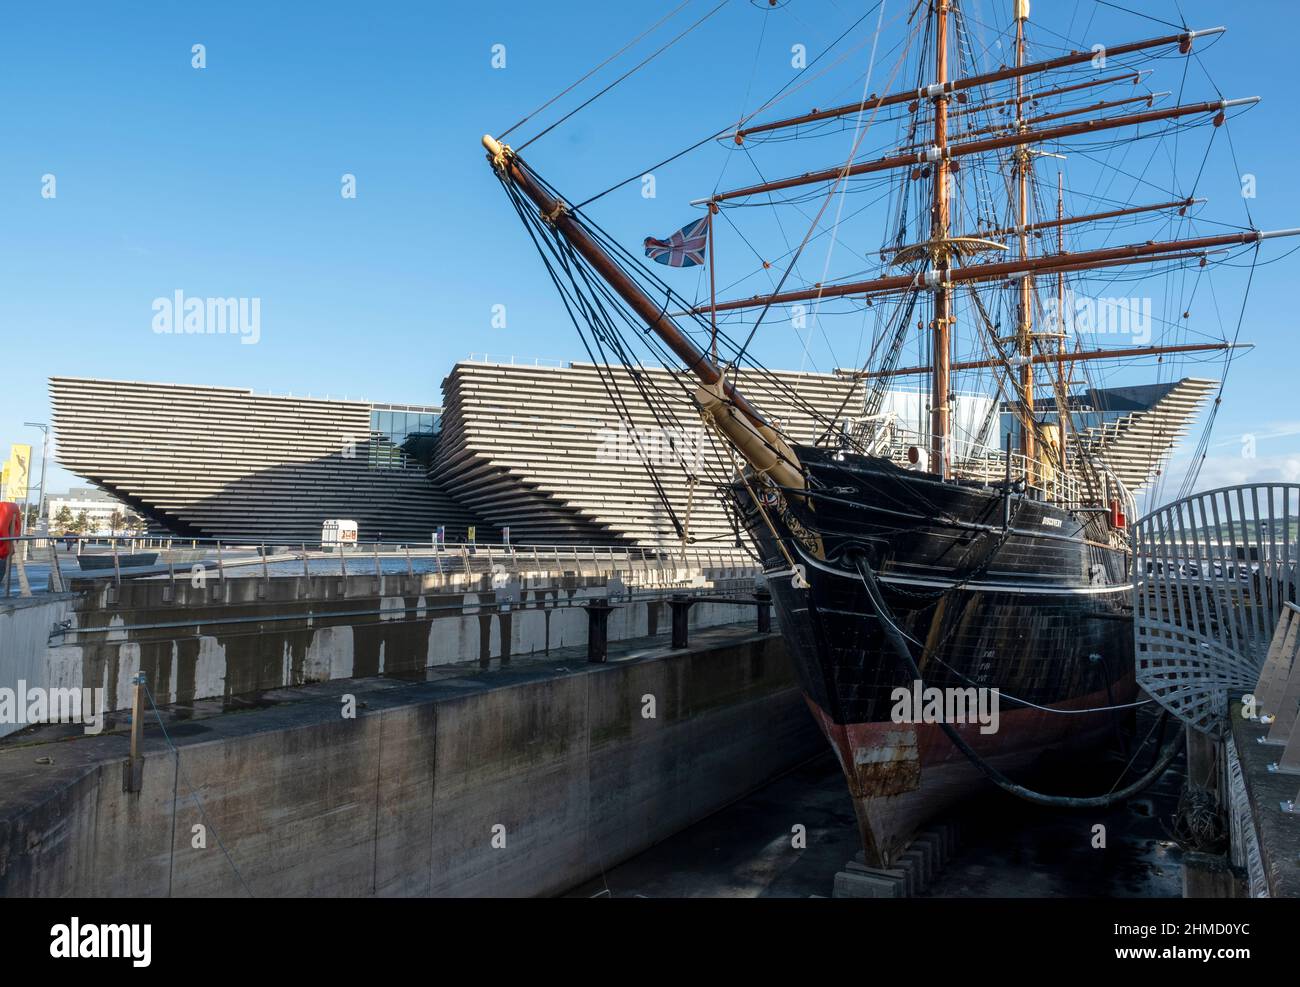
(16, 474)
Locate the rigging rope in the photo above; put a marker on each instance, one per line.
(632, 71)
(894, 635)
(560, 95)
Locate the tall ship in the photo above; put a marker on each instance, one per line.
(994, 199)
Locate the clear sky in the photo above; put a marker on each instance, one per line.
(225, 180)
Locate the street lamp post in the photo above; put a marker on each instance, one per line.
(45, 450)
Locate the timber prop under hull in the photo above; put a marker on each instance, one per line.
(1035, 607)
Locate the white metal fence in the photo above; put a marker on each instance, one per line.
(1214, 573)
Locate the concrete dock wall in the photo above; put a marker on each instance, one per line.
(238, 637)
(25, 627)
(525, 781)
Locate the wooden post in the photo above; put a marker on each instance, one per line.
(24, 587)
(598, 630)
(764, 599)
(133, 776)
(681, 611)
(56, 574)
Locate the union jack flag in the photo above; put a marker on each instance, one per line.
(685, 248)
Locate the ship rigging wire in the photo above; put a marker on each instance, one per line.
(630, 72)
(779, 95)
(564, 92)
(1178, 279)
(830, 193)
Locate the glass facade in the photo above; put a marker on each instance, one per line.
(401, 436)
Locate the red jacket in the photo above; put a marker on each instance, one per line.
(11, 526)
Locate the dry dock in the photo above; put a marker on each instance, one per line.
(526, 780)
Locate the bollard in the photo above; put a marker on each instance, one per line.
(133, 770)
(681, 607)
(764, 599)
(598, 629)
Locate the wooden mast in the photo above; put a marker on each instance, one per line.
(731, 413)
(1127, 353)
(1064, 377)
(941, 385)
(713, 290)
(1038, 94)
(1023, 165)
(1091, 217)
(1002, 128)
(984, 145)
(1151, 251)
(556, 212)
(737, 417)
(1184, 42)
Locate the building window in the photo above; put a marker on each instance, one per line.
(402, 438)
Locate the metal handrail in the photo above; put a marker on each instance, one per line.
(506, 558)
(658, 595)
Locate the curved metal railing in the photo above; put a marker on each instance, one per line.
(1213, 573)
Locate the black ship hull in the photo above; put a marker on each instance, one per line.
(995, 590)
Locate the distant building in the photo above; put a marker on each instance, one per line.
(227, 463)
(1131, 429)
(98, 506)
(554, 453)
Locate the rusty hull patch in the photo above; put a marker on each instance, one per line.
(888, 764)
(877, 758)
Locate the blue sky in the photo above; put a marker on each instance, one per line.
(225, 181)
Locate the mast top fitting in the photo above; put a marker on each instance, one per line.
(499, 154)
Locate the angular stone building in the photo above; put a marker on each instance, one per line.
(225, 462)
(560, 455)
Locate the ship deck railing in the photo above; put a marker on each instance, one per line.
(882, 435)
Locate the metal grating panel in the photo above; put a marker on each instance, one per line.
(1212, 573)
(1245, 838)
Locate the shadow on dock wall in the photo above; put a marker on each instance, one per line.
(528, 787)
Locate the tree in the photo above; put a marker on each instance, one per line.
(116, 520)
(82, 524)
(63, 518)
